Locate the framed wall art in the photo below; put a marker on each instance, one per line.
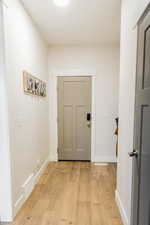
(33, 85)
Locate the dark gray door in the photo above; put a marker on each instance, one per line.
(141, 162)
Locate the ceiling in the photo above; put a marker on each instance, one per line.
(82, 22)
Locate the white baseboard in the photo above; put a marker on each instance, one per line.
(28, 187)
(121, 209)
(40, 171)
(7, 220)
(101, 164)
(53, 158)
(104, 159)
(18, 204)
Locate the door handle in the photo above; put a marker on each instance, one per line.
(89, 124)
(133, 154)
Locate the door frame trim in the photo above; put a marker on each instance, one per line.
(54, 155)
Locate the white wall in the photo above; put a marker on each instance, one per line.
(104, 60)
(131, 11)
(28, 115)
(5, 175)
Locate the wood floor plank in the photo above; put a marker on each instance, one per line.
(72, 193)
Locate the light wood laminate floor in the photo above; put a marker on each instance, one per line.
(72, 193)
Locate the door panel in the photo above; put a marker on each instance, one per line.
(141, 164)
(144, 188)
(81, 129)
(146, 74)
(68, 128)
(74, 131)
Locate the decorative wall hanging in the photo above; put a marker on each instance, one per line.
(33, 85)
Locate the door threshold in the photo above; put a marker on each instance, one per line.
(63, 160)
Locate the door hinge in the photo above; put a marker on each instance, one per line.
(57, 150)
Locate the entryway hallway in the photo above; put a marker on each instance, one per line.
(77, 193)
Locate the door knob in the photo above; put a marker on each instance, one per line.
(133, 154)
(89, 125)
